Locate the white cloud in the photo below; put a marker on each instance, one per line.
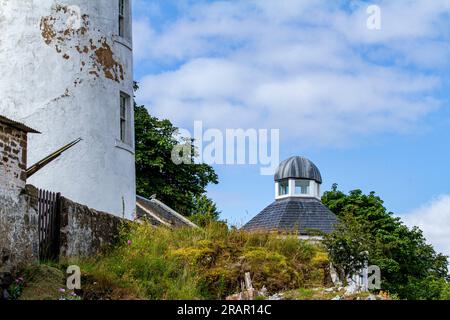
(434, 220)
(143, 35)
(311, 68)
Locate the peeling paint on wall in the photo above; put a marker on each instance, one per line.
(95, 53)
(111, 68)
(64, 95)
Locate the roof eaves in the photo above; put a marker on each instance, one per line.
(17, 125)
(153, 215)
(173, 212)
(169, 210)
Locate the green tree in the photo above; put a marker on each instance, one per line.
(205, 211)
(348, 246)
(177, 185)
(445, 294)
(405, 259)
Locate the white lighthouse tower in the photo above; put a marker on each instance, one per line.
(67, 70)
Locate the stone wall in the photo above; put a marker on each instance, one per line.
(13, 159)
(18, 205)
(19, 237)
(86, 232)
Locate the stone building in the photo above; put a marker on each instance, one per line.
(81, 231)
(13, 153)
(67, 70)
(297, 207)
(18, 222)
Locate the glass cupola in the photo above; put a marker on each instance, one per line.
(297, 177)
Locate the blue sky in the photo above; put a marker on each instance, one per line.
(369, 107)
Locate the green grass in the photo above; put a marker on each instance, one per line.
(42, 282)
(209, 263)
(305, 294)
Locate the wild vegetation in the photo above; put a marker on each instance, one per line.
(410, 267)
(207, 263)
(204, 263)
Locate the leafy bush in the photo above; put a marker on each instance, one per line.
(430, 288)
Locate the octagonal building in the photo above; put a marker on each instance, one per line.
(297, 207)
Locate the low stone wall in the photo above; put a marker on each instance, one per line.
(19, 238)
(86, 232)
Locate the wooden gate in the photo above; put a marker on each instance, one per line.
(49, 225)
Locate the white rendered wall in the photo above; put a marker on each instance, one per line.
(63, 77)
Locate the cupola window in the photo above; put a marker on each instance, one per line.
(302, 187)
(283, 188)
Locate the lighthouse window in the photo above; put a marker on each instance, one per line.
(302, 187)
(122, 7)
(124, 106)
(122, 14)
(283, 188)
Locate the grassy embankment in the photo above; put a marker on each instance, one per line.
(209, 263)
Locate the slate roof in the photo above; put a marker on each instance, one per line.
(298, 168)
(294, 214)
(159, 214)
(17, 125)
